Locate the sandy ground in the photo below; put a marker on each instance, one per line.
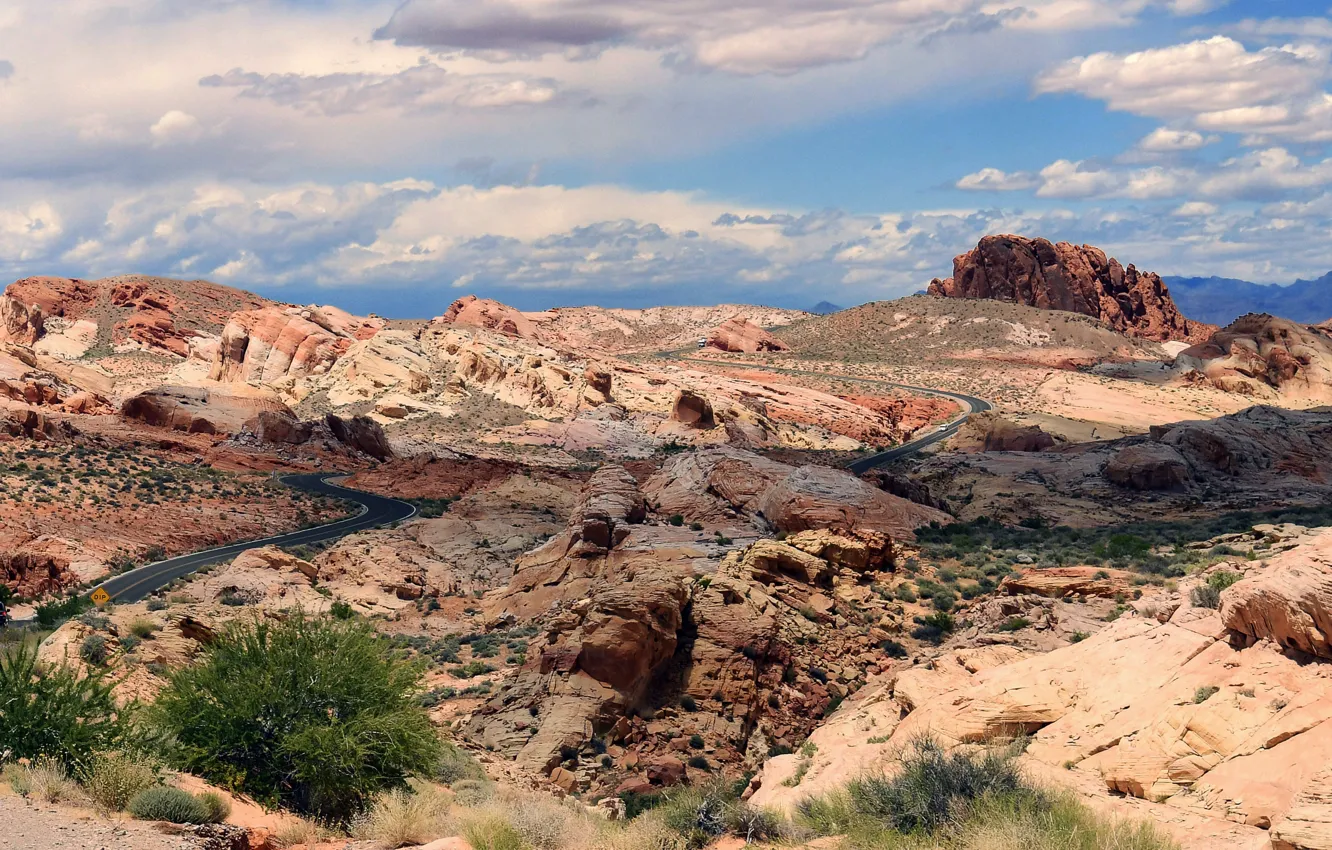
(29, 826)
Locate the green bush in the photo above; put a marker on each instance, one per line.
(341, 610)
(934, 788)
(217, 807)
(93, 650)
(341, 716)
(456, 764)
(112, 779)
(54, 711)
(164, 803)
(1208, 594)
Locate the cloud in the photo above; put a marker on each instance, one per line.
(6, 69)
(996, 180)
(175, 128)
(738, 36)
(1166, 140)
(423, 87)
(1217, 84)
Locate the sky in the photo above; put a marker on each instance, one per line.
(392, 156)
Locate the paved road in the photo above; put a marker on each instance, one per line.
(134, 585)
(970, 404)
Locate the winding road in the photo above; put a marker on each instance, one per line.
(970, 405)
(134, 585)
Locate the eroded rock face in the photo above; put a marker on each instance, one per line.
(990, 432)
(267, 345)
(361, 433)
(738, 334)
(1266, 357)
(1079, 279)
(197, 410)
(1289, 603)
(693, 410)
(490, 315)
(19, 322)
(1151, 466)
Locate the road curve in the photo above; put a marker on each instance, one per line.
(970, 404)
(134, 585)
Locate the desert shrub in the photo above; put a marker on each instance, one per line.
(44, 779)
(217, 807)
(298, 831)
(490, 830)
(52, 614)
(93, 649)
(164, 803)
(54, 711)
(473, 792)
(753, 824)
(341, 610)
(1208, 594)
(636, 804)
(699, 762)
(645, 833)
(456, 764)
(402, 818)
(543, 823)
(677, 520)
(696, 741)
(112, 779)
(157, 604)
(143, 628)
(342, 720)
(1014, 624)
(696, 814)
(893, 649)
(1205, 693)
(933, 788)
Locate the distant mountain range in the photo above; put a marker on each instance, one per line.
(1221, 300)
(824, 308)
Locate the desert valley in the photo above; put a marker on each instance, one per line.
(640, 599)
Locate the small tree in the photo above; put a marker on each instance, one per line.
(54, 711)
(317, 715)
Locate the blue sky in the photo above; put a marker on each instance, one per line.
(391, 156)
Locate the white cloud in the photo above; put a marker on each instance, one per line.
(997, 180)
(175, 128)
(1217, 84)
(1195, 209)
(1166, 140)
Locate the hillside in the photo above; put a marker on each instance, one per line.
(927, 327)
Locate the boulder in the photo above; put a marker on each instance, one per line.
(990, 432)
(1289, 603)
(275, 427)
(360, 433)
(1079, 279)
(1061, 582)
(813, 497)
(19, 322)
(1266, 357)
(738, 334)
(1149, 466)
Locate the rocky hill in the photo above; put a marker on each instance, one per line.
(1078, 279)
(1267, 358)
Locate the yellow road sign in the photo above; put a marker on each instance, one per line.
(101, 597)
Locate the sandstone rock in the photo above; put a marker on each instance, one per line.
(990, 432)
(1150, 466)
(814, 497)
(692, 409)
(1079, 279)
(274, 427)
(361, 433)
(1059, 582)
(19, 322)
(1290, 602)
(490, 315)
(1264, 356)
(197, 410)
(267, 345)
(738, 334)
(1307, 825)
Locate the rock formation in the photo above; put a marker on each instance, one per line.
(990, 432)
(198, 410)
(267, 345)
(1289, 602)
(1078, 279)
(361, 433)
(20, 322)
(738, 334)
(474, 312)
(1266, 357)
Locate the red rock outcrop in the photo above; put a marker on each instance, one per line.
(474, 312)
(692, 409)
(1078, 279)
(361, 433)
(19, 322)
(1265, 356)
(738, 334)
(196, 410)
(265, 346)
(1150, 466)
(990, 432)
